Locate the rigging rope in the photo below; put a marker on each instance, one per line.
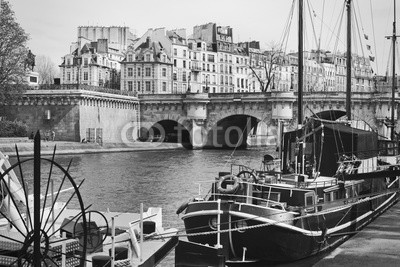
(373, 33)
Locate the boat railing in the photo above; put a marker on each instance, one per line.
(245, 198)
(238, 168)
(301, 181)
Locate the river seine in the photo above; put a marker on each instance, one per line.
(165, 178)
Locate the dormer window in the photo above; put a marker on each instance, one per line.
(147, 57)
(130, 57)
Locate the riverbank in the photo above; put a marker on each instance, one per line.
(25, 147)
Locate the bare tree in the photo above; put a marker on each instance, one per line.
(267, 62)
(46, 68)
(13, 55)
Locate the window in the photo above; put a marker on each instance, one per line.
(175, 52)
(85, 61)
(184, 76)
(184, 53)
(130, 85)
(174, 76)
(148, 72)
(210, 58)
(130, 72)
(69, 61)
(164, 72)
(148, 84)
(174, 62)
(138, 72)
(33, 79)
(85, 76)
(138, 85)
(204, 57)
(130, 58)
(184, 64)
(68, 76)
(164, 86)
(147, 57)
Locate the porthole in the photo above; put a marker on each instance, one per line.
(241, 226)
(213, 223)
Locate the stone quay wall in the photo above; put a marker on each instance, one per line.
(76, 114)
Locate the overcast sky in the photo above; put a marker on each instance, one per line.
(52, 24)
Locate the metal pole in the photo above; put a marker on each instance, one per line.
(348, 61)
(300, 85)
(219, 224)
(141, 232)
(36, 201)
(112, 242)
(300, 74)
(394, 71)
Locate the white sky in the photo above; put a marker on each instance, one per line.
(52, 24)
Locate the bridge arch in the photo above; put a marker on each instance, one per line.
(166, 130)
(240, 131)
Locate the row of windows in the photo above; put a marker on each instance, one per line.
(147, 86)
(148, 72)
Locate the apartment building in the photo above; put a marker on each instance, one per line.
(93, 64)
(147, 69)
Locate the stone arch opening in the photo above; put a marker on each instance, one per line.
(240, 132)
(167, 131)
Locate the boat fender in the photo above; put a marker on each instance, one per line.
(230, 190)
(183, 206)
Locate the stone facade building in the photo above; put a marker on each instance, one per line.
(147, 69)
(95, 57)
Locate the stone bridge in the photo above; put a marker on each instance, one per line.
(241, 119)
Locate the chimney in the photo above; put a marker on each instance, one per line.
(148, 41)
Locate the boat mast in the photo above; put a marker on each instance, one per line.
(394, 70)
(300, 68)
(300, 86)
(348, 60)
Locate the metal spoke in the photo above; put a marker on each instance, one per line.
(48, 183)
(6, 217)
(58, 192)
(59, 214)
(13, 201)
(23, 186)
(76, 216)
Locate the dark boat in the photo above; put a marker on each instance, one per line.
(333, 179)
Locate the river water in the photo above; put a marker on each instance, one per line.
(167, 178)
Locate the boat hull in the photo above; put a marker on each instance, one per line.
(276, 235)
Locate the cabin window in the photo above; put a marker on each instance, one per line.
(348, 192)
(327, 197)
(309, 200)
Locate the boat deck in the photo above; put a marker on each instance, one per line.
(378, 244)
(152, 249)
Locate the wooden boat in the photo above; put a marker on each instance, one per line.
(52, 227)
(333, 180)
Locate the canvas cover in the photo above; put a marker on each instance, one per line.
(326, 142)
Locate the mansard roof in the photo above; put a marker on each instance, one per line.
(154, 48)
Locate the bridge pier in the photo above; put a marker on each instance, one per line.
(198, 134)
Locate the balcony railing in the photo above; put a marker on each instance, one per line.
(87, 88)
